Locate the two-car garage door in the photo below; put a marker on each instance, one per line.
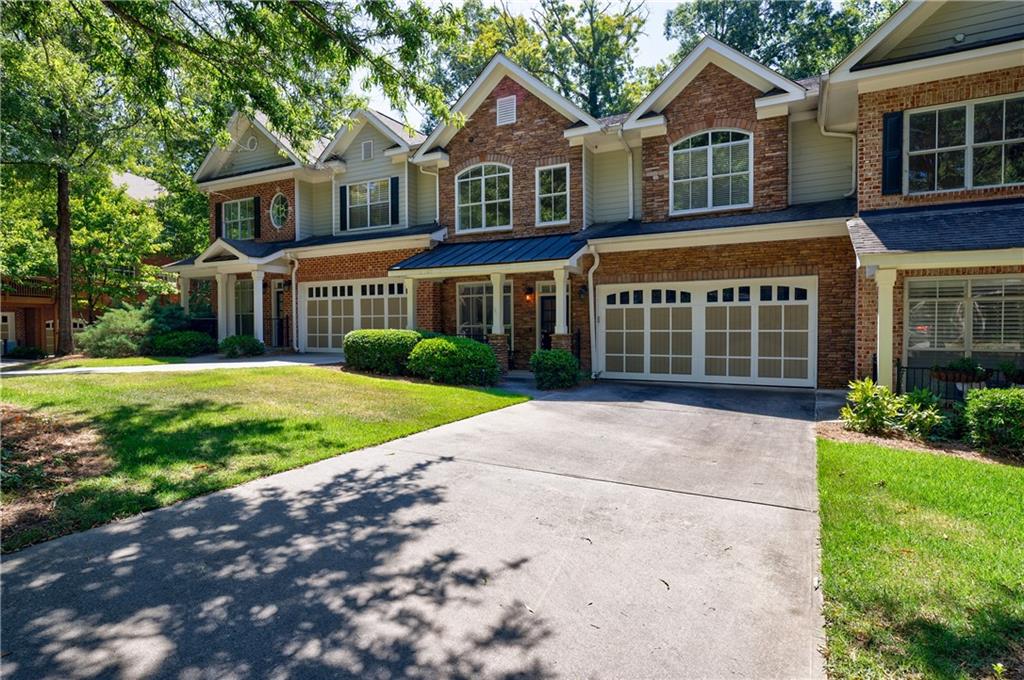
(330, 309)
(748, 331)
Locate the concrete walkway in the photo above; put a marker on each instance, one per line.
(202, 363)
(617, 531)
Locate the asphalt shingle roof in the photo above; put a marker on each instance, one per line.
(986, 225)
(844, 207)
(503, 251)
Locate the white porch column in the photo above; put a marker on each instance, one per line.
(231, 304)
(410, 303)
(184, 284)
(561, 322)
(885, 280)
(222, 306)
(257, 305)
(498, 302)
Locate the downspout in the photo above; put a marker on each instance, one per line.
(852, 136)
(593, 311)
(295, 304)
(437, 192)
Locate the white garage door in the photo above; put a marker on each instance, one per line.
(330, 309)
(747, 331)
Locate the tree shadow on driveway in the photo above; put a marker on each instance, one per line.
(342, 578)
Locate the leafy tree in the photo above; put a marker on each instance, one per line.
(26, 213)
(86, 81)
(798, 38)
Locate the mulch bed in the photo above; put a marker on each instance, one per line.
(836, 431)
(42, 458)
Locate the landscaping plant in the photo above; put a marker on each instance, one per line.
(25, 352)
(182, 344)
(875, 409)
(380, 351)
(241, 346)
(555, 369)
(454, 361)
(129, 331)
(994, 419)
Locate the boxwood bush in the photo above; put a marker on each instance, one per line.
(995, 419)
(182, 344)
(454, 361)
(241, 346)
(380, 351)
(555, 369)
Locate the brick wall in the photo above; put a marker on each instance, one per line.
(872, 105)
(718, 99)
(830, 259)
(373, 265)
(534, 140)
(266, 191)
(867, 308)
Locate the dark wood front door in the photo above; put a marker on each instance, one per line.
(547, 320)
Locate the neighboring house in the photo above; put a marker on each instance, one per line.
(27, 311)
(736, 227)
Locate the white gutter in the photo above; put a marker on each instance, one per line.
(593, 311)
(852, 136)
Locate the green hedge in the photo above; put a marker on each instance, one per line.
(241, 346)
(182, 344)
(25, 352)
(454, 361)
(555, 369)
(380, 351)
(995, 419)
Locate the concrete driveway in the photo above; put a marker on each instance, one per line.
(618, 531)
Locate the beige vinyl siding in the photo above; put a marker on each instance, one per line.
(378, 167)
(978, 21)
(588, 181)
(241, 160)
(304, 198)
(638, 183)
(424, 187)
(820, 167)
(320, 211)
(610, 195)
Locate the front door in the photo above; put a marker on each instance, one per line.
(278, 316)
(547, 320)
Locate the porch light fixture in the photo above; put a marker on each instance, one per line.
(582, 292)
(529, 293)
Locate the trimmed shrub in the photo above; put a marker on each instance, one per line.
(241, 346)
(454, 361)
(25, 352)
(555, 369)
(380, 351)
(182, 344)
(995, 419)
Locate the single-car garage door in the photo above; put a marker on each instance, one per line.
(747, 331)
(330, 309)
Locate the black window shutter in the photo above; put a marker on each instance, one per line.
(892, 152)
(218, 219)
(394, 200)
(342, 208)
(256, 216)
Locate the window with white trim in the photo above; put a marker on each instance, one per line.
(505, 111)
(279, 209)
(977, 317)
(369, 204)
(483, 198)
(367, 149)
(711, 170)
(972, 145)
(553, 194)
(239, 219)
(476, 309)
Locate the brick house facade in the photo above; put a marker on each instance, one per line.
(266, 192)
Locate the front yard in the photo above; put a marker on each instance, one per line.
(922, 562)
(152, 439)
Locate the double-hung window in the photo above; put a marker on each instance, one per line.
(711, 170)
(476, 309)
(483, 198)
(553, 194)
(369, 204)
(972, 145)
(239, 219)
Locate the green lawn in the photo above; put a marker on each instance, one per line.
(177, 435)
(923, 563)
(90, 362)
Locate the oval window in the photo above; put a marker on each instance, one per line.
(279, 211)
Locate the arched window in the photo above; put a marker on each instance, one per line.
(483, 198)
(711, 170)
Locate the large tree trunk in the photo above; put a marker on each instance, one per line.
(65, 341)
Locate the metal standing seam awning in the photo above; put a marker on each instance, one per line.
(512, 255)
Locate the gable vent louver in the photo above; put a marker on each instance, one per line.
(506, 111)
